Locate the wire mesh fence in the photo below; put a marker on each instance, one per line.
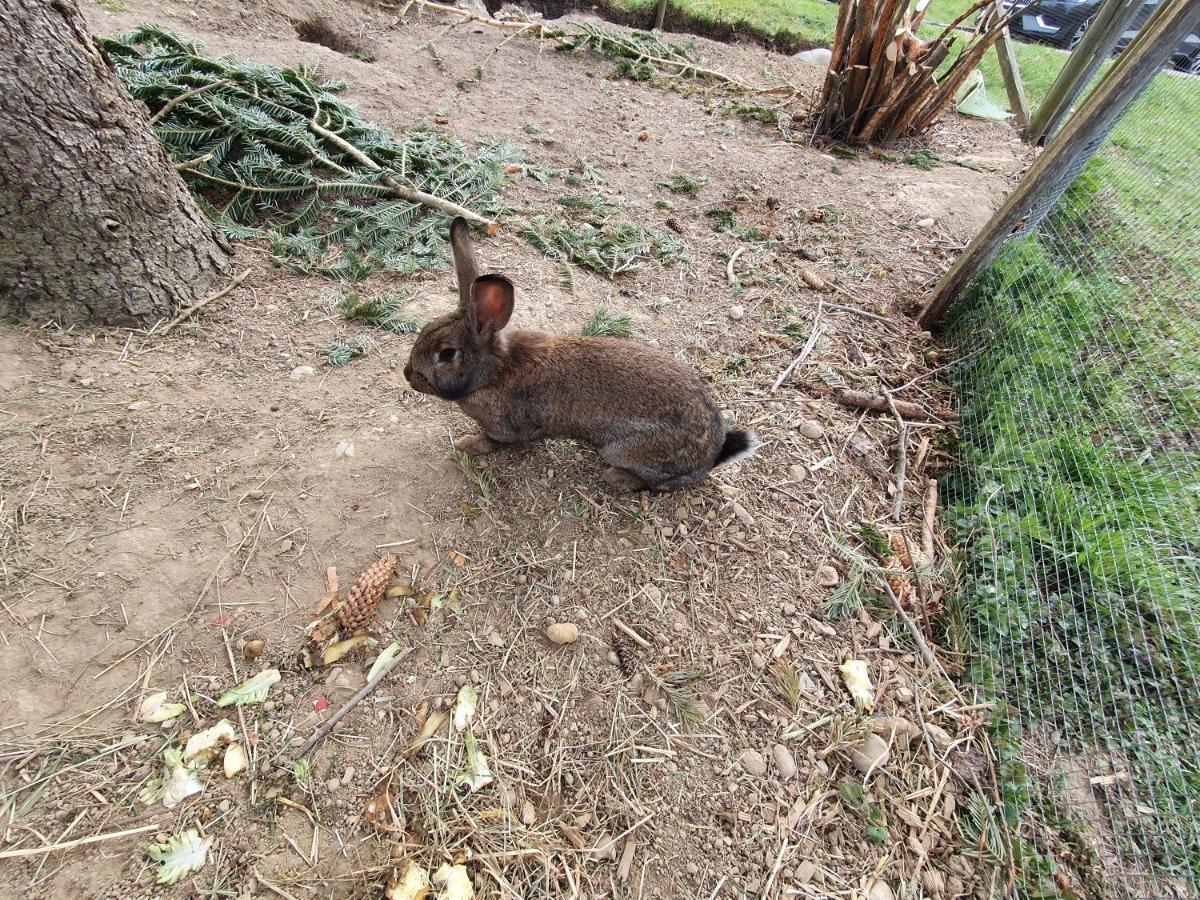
(1078, 503)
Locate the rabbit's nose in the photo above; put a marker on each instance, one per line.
(408, 372)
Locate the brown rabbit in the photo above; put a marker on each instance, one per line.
(649, 417)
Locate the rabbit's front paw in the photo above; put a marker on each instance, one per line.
(476, 444)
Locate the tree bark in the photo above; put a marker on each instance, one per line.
(95, 224)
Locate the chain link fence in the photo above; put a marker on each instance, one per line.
(1077, 501)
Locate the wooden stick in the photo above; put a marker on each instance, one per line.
(78, 842)
(199, 305)
(641, 641)
(919, 638)
(187, 95)
(879, 403)
(927, 523)
(370, 686)
(400, 190)
(901, 459)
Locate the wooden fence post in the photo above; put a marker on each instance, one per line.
(1097, 44)
(1011, 72)
(1075, 144)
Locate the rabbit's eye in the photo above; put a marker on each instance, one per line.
(447, 355)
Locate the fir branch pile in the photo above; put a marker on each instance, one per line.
(252, 143)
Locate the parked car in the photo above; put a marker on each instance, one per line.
(1061, 23)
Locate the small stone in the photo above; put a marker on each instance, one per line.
(827, 576)
(881, 890)
(563, 633)
(301, 372)
(925, 223)
(797, 472)
(652, 592)
(348, 775)
(285, 546)
(741, 512)
(752, 761)
(904, 695)
(871, 754)
(784, 762)
(343, 449)
(940, 737)
(818, 56)
(496, 639)
(137, 404)
(812, 430)
(253, 649)
(333, 785)
(528, 814)
(224, 806)
(736, 312)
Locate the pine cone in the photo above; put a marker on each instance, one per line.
(366, 592)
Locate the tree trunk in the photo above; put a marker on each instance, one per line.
(95, 224)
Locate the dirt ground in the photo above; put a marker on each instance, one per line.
(164, 500)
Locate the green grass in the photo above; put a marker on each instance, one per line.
(1078, 502)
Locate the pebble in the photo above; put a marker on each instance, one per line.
(784, 762)
(741, 512)
(348, 775)
(940, 737)
(496, 639)
(736, 312)
(804, 871)
(224, 806)
(812, 430)
(333, 785)
(797, 472)
(286, 545)
(871, 754)
(904, 695)
(137, 404)
(563, 633)
(752, 761)
(925, 223)
(528, 813)
(880, 890)
(343, 449)
(827, 576)
(301, 372)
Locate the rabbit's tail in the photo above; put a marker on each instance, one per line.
(738, 445)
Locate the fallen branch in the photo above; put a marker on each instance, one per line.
(730, 274)
(559, 37)
(186, 95)
(901, 458)
(78, 842)
(813, 337)
(880, 403)
(400, 190)
(199, 305)
(927, 523)
(370, 686)
(919, 638)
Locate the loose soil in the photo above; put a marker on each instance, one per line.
(163, 500)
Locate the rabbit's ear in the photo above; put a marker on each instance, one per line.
(491, 304)
(466, 267)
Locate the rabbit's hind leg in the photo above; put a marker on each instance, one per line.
(639, 462)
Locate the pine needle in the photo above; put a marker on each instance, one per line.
(606, 323)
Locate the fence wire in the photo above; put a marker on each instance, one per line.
(1078, 502)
